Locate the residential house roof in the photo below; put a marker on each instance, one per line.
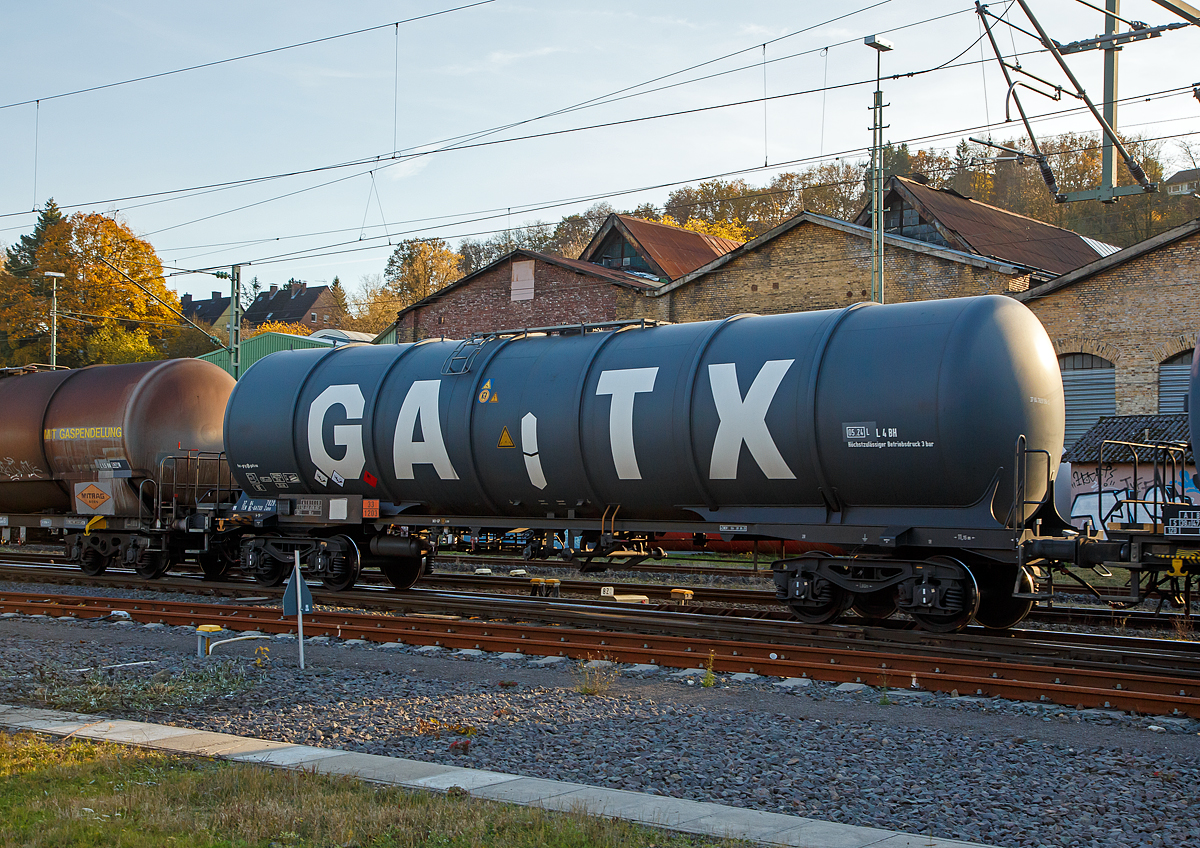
(1112, 260)
(670, 251)
(207, 311)
(1190, 175)
(287, 304)
(969, 225)
(1141, 429)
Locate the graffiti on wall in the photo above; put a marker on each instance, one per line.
(1114, 493)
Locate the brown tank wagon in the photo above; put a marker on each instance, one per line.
(95, 449)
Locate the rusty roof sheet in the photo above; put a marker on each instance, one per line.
(613, 275)
(990, 231)
(675, 250)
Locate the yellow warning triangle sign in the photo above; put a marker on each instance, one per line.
(495, 398)
(505, 440)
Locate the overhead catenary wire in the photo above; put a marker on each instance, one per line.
(256, 54)
(611, 97)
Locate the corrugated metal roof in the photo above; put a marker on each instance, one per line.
(991, 231)
(1129, 428)
(264, 344)
(1101, 247)
(673, 250)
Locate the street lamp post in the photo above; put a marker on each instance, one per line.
(881, 46)
(54, 276)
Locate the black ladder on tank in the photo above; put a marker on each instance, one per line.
(1020, 502)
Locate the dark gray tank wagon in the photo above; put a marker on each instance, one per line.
(891, 431)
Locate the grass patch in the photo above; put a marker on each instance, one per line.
(595, 677)
(98, 690)
(78, 793)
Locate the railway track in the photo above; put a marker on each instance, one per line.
(1144, 675)
(706, 600)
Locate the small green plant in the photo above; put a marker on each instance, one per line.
(595, 677)
(262, 655)
(709, 680)
(884, 700)
(100, 690)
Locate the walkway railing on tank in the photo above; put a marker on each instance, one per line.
(463, 356)
(200, 479)
(1166, 486)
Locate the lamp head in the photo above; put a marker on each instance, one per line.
(879, 43)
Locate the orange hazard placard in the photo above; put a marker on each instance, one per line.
(94, 497)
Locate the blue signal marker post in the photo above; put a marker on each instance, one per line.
(297, 600)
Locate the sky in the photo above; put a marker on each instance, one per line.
(442, 118)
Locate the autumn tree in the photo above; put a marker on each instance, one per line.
(573, 233)
(475, 254)
(291, 328)
(723, 228)
(107, 273)
(373, 306)
(418, 268)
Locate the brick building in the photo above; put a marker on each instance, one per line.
(815, 262)
(523, 289)
(1124, 328)
(299, 303)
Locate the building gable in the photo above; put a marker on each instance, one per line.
(667, 252)
(523, 289)
(945, 217)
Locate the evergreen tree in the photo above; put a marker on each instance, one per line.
(342, 304)
(20, 260)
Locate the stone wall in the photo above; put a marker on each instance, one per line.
(818, 267)
(1135, 315)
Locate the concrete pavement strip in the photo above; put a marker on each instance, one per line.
(706, 819)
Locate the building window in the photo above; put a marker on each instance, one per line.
(314, 318)
(1174, 380)
(522, 280)
(1082, 362)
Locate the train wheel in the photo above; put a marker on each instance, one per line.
(150, 565)
(92, 562)
(343, 567)
(273, 572)
(403, 572)
(830, 601)
(214, 566)
(962, 595)
(998, 609)
(876, 606)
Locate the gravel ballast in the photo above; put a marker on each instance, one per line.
(985, 770)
